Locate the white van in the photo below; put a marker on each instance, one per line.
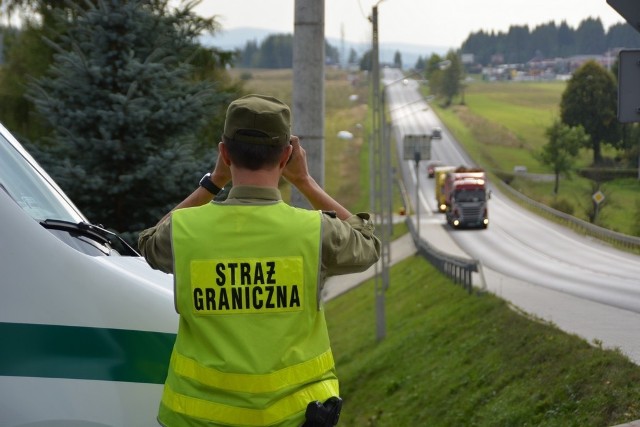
(87, 329)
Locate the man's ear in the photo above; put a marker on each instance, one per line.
(286, 156)
(222, 150)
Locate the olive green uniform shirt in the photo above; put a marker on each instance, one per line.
(347, 246)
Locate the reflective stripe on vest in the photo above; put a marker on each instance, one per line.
(225, 414)
(253, 383)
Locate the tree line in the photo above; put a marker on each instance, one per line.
(275, 52)
(520, 44)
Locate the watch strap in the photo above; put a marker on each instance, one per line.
(209, 185)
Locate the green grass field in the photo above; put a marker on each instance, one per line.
(502, 124)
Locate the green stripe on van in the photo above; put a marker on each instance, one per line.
(54, 351)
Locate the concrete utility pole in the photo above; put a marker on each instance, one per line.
(381, 167)
(308, 87)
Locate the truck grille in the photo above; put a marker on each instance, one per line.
(471, 213)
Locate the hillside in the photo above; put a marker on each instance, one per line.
(454, 359)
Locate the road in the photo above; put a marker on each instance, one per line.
(580, 284)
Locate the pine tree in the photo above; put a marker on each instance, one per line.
(124, 110)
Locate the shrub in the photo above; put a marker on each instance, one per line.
(563, 205)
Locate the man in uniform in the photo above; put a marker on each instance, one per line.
(252, 347)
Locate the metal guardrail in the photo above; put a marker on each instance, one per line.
(458, 269)
(613, 237)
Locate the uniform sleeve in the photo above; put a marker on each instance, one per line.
(155, 245)
(348, 246)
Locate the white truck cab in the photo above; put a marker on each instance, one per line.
(86, 328)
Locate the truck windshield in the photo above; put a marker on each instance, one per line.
(477, 195)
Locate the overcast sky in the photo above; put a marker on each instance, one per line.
(431, 22)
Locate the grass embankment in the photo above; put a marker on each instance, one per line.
(450, 358)
(502, 124)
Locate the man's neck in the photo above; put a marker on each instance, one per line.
(260, 178)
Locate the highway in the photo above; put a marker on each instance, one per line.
(583, 286)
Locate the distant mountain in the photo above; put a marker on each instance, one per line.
(237, 38)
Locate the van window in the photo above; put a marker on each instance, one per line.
(30, 190)
(39, 196)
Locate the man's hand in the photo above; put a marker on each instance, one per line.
(220, 176)
(296, 171)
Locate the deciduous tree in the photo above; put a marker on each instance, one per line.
(590, 101)
(452, 76)
(561, 150)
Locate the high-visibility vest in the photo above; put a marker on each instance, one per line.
(252, 347)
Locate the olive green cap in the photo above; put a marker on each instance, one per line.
(258, 113)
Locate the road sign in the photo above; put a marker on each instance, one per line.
(598, 197)
(417, 146)
(629, 86)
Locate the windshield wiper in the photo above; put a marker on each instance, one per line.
(6, 191)
(92, 231)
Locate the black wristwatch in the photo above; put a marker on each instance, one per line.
(209, 185)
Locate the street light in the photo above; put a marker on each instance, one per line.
(382, 199)
(381, 179)
(408, 104)
(410, 113)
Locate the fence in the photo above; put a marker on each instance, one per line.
(460, 270)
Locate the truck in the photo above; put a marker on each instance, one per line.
(87, 327)
(465, 198)
(439, 175)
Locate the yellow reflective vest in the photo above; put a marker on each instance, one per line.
(252, 347)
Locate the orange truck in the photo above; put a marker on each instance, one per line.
(465, 198)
